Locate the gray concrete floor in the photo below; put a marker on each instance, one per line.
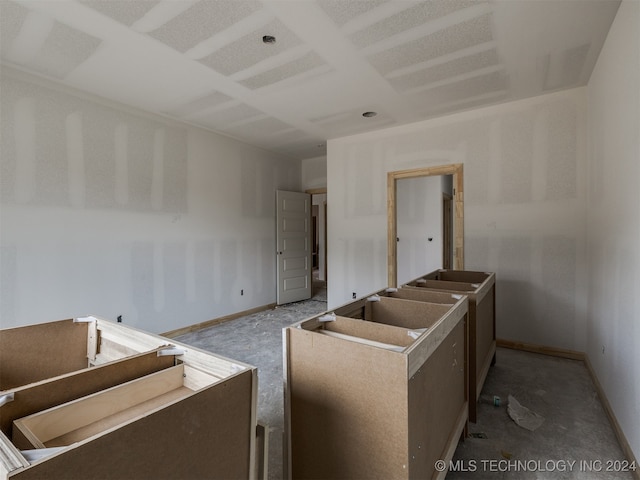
(257, 340)
(575, 429)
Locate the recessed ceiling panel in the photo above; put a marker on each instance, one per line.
(205, 62)
(123, 11)
(342, 11)
(299, 66)
(203, 20)
(349, 122)
(464, 89)
(223, 119)
(462, 35)
(290, 135)
(446, 70)
(406, 19)
(564, 70)
(64, 49)
(12, 17)
(250, 49)
(260, 128)
(210, 100)
(433, 110)
(304, 148)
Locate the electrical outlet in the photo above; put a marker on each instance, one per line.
(119, 318)
(603, 349)
(353, 295)
(242, 292)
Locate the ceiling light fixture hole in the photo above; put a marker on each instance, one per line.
(369, 114)
(269, 39)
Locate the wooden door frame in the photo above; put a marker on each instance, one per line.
(392, 222)
(321, 191)
(447, 228)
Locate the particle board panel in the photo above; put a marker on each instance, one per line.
(437, 409)
(202, 436)
(376, 332)
(356, 309)
(405, 313)
(348, 413)
(446, 286)
(352, 309)
(91, 415)
(479, 288)
(465, 276)
(485, 337)
(26, 354)
(422, 295)
(64, 388)
(205, 428)
(422, 349)
(356, 410)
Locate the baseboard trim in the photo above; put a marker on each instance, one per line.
(574, 355)
(216, 321)
(624, 444)
(533, 348)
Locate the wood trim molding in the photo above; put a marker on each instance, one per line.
(622, 439)
(392, 228)
(533, 348)
(215, 321)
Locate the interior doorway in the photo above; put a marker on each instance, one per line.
(457, 206)
(319, 239)
(293, 240)
(447, 230)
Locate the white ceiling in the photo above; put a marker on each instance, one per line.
(204, 61)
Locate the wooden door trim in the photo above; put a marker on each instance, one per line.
(392, 227)
(447, 228)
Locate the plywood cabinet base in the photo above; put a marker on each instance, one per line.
(136, 406)
(379, 397)
(480, 289)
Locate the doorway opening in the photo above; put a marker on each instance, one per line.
(319, 240)
(456, 204)
(447, 230)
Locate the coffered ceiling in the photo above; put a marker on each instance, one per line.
(205, 62)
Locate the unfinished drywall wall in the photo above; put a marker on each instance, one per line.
(613, 328)
(524, 180)
(111, 211)
(314, 173)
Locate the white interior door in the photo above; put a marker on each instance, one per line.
(293, 243)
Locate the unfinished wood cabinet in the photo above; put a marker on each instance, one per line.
(379, 398)
(357, 308)
(95, 399)
(480, 288)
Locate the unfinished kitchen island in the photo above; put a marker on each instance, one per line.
(88, 398)
(379, 398)
(480, 288)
